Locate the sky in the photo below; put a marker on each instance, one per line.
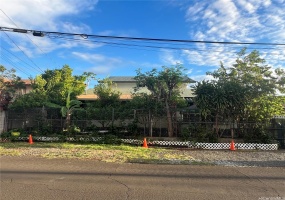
(245, 21)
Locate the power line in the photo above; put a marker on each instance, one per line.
(151, 48)
(26, 35)
(131, 39)
(12, 64)
(23, 52)
(16, 57)
(86, 36)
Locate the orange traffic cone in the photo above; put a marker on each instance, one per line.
(145, 143)
(232, 146)
(30, 139)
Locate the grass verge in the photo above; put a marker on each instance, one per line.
(106, 153)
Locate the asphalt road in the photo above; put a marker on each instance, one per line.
(36, 178)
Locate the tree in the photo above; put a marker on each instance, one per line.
(52, 87)
(56, 84)
(146, 109)
(164, 86)
(264, 108)
(220, 100)
(106, 93)
(251, 71)
(238, 92)
(108, 100)
(89, 76)
(9, 84)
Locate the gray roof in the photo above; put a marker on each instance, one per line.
(122, 78)
(131, 79)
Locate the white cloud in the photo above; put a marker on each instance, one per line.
(199, 78)
(97, 58)
(234, 20)
(46, 15)
(72, 28)
(101, 65)
(21, 48)
(248, 6)
(101, 70)
(189, 71)
(168, 58)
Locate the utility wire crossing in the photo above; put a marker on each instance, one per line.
(40, 33)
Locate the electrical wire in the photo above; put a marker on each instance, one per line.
(86, 36)
(141, 46)
(7, 59)
(137, 42)
(40, 70)
(26, 35)
(17, 57)
(194, 48)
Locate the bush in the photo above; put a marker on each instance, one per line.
(110, 139)
(198, 133)
(258, 134)
(6, 134)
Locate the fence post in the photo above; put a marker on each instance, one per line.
(113, 113)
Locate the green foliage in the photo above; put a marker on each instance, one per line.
(6, 134)
(204, 93)
(241, 93)
(258, 134)
(56, 84)
(107, 95)
(69, 108)
(198, 133)
(220, 99)
(70, 105)
(103, 109)
(146, 102)
(30, 100)
(133, 128)
(74, 130)
(109, 139)
(263, 108)
(164, 86)
(52, 89)
(9, 85)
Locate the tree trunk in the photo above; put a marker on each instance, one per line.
(67, 121)
(217, 125)
(150, 123)
(169, 119)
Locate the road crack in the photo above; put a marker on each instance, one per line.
(121, 183)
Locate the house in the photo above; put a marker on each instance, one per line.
(23, 87)
(126, 84)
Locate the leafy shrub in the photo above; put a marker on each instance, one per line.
(258, 134)
(110, 139)
(198, 133)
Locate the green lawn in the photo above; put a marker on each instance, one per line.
(106, 153)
